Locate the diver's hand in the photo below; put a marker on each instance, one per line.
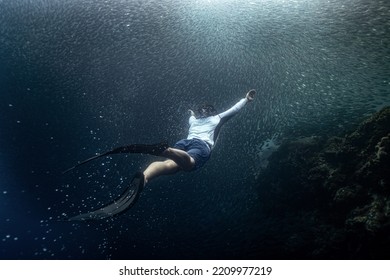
(191, 112)
(250, 95)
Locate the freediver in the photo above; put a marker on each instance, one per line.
(188, 154)
(192, 153)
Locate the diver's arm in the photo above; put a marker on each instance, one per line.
(239, 105)
(192, 117)
(227, 115)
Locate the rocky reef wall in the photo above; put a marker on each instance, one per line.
(330, 196)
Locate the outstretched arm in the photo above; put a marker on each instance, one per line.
(239, 105)
(192, 117)
(227, 115)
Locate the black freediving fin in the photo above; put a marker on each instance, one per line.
(85, 161)
(151, 149)
(128, 198)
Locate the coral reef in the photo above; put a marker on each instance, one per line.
(331, 197)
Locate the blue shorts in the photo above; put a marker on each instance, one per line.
(198, 149)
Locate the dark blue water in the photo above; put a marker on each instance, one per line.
(78, 77)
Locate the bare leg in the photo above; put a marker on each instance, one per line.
(182, 158)
(159, 168)
(178, 160)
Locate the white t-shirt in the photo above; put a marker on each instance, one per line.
(204, 128)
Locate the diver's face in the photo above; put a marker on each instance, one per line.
(203, 113)
(206, 111)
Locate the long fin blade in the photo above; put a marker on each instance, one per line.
(85, 161)
(128, 198)
(154, 149)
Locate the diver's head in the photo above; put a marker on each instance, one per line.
(206, 111)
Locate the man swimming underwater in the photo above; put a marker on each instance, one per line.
(192, 153)
(187, 154)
